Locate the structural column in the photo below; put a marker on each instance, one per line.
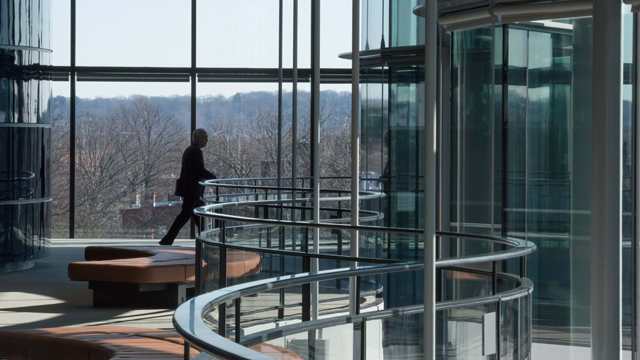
(355, 148)
(315, 142)
(430, 123)
(606, 181)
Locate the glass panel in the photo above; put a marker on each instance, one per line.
(129, 151)
(60, 164)
(335, 33)
(329, 343)
(473, 127)
(407, 29)
(242, 120)
(138, 33)
(304, 34)
(399, 337)
(61, 32)
(254, 25)
(554, 189)
(548, 131)
(375, 25)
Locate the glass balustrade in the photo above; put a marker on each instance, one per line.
(266, 289)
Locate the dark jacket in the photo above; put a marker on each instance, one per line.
(192, 172)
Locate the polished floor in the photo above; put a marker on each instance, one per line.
(43, 296)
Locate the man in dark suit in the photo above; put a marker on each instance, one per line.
(188, 185)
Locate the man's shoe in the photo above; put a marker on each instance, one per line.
(163, 244)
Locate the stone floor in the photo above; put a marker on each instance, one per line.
(43, 296)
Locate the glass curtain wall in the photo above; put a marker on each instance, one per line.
(149, 73)
(535, 139)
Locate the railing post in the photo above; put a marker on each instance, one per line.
(187, 350)
(494, 278)
(498, 329)
(217, 222)
(222, 279)
(306, 290)
(363, 339)
(339, 262)
(198, 268)
(237, 316)
(357, 294)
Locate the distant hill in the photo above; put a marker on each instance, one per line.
(210, 107)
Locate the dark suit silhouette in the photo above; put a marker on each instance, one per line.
(188, 187)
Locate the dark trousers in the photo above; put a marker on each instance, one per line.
(188, 205)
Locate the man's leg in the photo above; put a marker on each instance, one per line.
(188, 204)
(197, 219)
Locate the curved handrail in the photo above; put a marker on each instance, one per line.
(211, 181)
(519, 248)
(188, 318)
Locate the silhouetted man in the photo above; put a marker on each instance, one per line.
(188, 185)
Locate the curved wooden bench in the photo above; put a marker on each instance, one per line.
(148, 276)
(106, 343)
(92, 343)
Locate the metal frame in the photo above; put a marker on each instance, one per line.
(635, 175)
(188, 317)
(192, 74)
(430, 171)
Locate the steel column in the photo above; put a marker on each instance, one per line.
(72, 126)
(192, 227)
(355, 148)
(315, 142)
(430, 124)
(635, 175)
(606, 182)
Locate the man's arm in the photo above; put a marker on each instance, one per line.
(199, 169)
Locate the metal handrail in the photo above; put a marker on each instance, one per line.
(190, 323)
(520, 248)
(188, 318)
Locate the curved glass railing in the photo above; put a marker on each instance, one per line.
(266, 290)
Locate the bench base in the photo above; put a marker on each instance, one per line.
(146, 296)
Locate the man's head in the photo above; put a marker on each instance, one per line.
(200, 138)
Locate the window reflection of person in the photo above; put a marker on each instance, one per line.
(188, 185)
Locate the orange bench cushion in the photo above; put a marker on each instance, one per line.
(149, 265)
(91, 343)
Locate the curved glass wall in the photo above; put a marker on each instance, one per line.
(25, 134)
(521, 163)
(515, 126)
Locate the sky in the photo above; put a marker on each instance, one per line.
(156, 33)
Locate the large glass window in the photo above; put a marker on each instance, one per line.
(61, 32)
(128, 156)
(242, 122)
(546, 127)
(134, 33)
(60, 156)
(242, 33)
(335, 33)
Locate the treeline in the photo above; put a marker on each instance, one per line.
(129, 149)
